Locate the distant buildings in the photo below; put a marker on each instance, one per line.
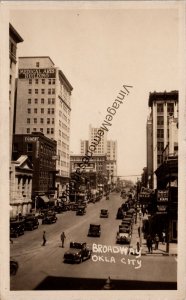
(44, 105)
(104, 147)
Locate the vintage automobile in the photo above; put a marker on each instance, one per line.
(94, 230)
(58, 209)
(120, 213)
(17, 228)
(31, 222)
(42, 213)
(104, 213)
(126, 223)
(123, 236)
(49, 218)
(78, 252)
(80, 211)
(13, 267)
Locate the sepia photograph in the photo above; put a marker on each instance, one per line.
(92, 126)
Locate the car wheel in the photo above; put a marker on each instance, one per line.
(80, 260)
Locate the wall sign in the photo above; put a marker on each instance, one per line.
(37, 73)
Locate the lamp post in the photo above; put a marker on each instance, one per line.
(140, 231)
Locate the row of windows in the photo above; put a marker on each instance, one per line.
(43, 81)
(42, 110)
(170, 107)
(36, 101)
(50, 91)
(41, 120)
(49, 130)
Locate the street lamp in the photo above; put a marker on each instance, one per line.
(140, 231)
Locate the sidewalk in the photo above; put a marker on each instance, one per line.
(161, 248)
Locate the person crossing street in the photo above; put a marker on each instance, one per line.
(63, 237)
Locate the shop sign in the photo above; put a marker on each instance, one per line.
(31, 139)
(37, 73)
(162, 196)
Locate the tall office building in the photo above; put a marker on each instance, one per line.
(164, 106)
(44, 105)
(112, 160)
(102, 145)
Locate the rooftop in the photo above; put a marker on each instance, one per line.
(162, 96)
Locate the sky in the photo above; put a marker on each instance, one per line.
(99, 50)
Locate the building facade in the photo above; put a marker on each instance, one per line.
(41, 152)
(112, 161)
(44, 105)
(21, 186)
(14, 39)
(163, 107)
(102, 145)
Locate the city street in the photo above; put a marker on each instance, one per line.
(43, 267)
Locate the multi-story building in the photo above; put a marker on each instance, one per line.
(104, 147)
(96, 164)
(41, 152)
(44, 105)
(149, 152)
(14, 39)
(163, 106)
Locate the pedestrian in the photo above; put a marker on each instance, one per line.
(156, 240)
(138, 246)
(163, 237)
(44, 238)
(149, 243)
(63, 237)
(139, 231)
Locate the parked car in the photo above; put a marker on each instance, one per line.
(104, 213)
(120, 213)
(13, 267)
(58, 209)
(78, 252)
(42, 213)
(17, 228)
(49, 218)
(94, 230)
(31, 222)
(123, 236)
(80, 211)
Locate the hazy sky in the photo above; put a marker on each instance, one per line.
(99, 50)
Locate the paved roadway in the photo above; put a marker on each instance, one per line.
(43, 267)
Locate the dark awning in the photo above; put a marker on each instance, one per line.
(44, 198)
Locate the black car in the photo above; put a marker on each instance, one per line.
(17, 228)
(120, 213)
(104, 213)
(94, 230)
(13, 267)
(31, 223)
(78, 252)
(80, 211)
(49, 218)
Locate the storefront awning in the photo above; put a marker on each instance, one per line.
(44, 198)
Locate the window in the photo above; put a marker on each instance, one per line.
(52, 120)
(48, 110)
(49, 81)
(52, 110)
(42, 91)
(29, 101)
(28, 121)
(36, 91)
(36, 101)
(49, 91)
(159, 159)
(53, 81)
(53, 100)
(160, 133)
(52, 130)
(53, 91)
(29, 110)
(30, 81)
(160, 146)
(48, 120)
(35, 120)
(28, 130)
(170, 107)
(36, 81)
(42, 110)
(37, 64)
(43, 81)
(29, 91)
(49, 100)
(42, 100)
(29, 147)
(35, 110)
(160, 120)
(41, 120)
(48, 130)
(159, 107)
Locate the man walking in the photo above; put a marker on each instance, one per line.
(44, 238)
(156, 240)
(63, 237)
(149, 243)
